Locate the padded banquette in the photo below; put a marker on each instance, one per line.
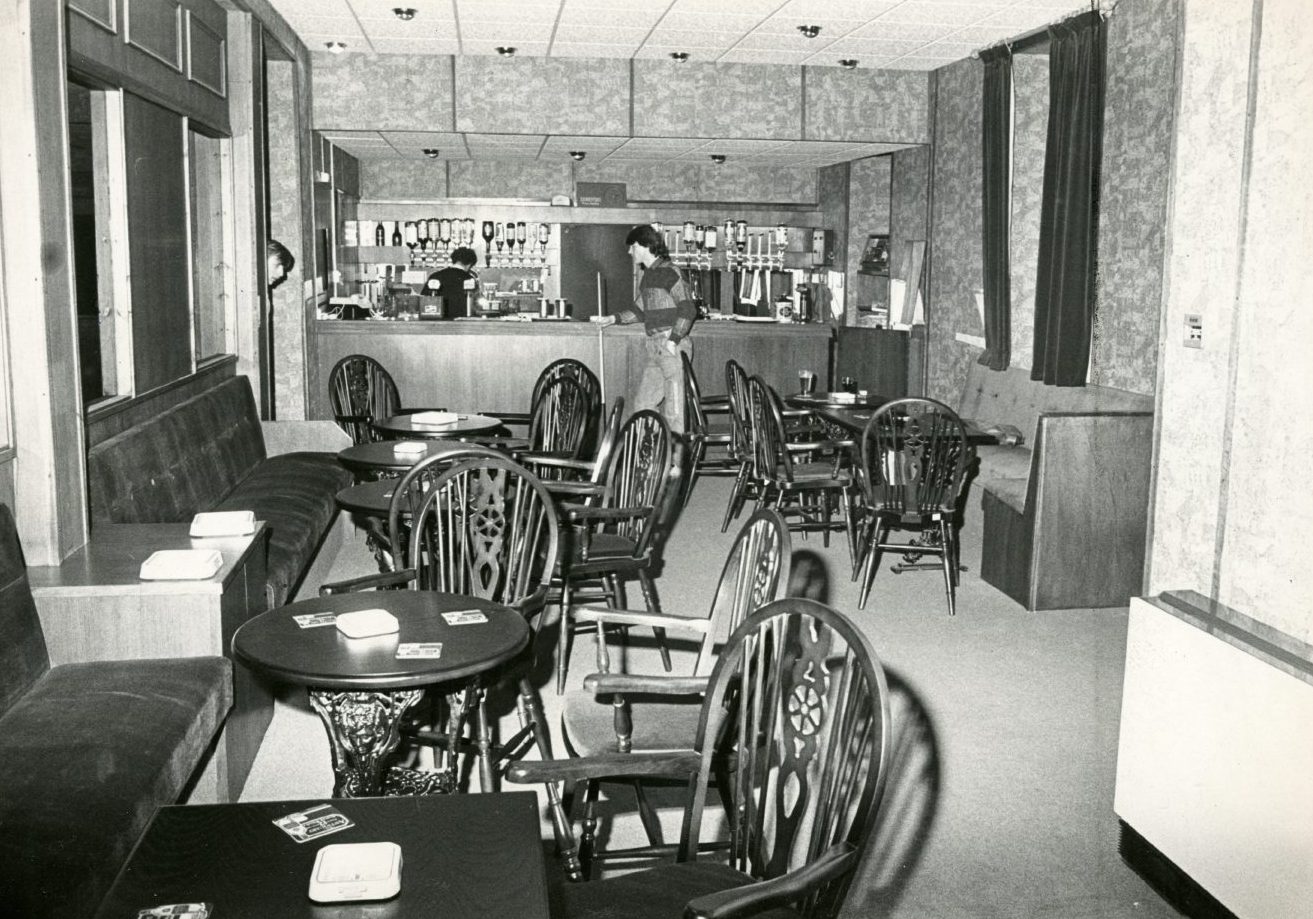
(208, 454)
(87, 753)
(1065, 512)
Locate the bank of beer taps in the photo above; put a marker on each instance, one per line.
(695, 245)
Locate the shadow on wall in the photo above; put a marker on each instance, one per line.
(911, 795)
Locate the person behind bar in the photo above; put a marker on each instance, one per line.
(667, 309)
(455, 283)
(280, 262)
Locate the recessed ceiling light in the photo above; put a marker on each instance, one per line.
(404, 13)
(679, 57)
(505, 50)
(848, 63)
(432, 152)
(717, 158)
(577, 155)
(809, 31)
(335, 47)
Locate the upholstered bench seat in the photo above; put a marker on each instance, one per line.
(1065, 515)
(86, 756)
(208, 453)
(288, 493)
(87, 753)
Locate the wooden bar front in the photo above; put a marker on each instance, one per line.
(491, 365)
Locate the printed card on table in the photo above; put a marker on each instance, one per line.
(419, 649)
(465, 617)
(315, 620)
(178, 911)
(306, 825)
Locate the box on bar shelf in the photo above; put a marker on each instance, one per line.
(601, 194)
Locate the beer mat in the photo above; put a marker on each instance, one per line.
(314, 822)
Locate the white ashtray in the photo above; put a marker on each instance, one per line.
(181, 565)
(223, 523)
(409, 447)
(366, 623)
(356, 871)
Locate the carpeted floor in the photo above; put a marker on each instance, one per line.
(1000, 799)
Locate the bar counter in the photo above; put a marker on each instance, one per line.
(490, 365)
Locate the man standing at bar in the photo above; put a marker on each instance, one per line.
(456, 283)
(667, 309)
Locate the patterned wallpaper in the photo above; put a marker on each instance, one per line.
(698, 182)
(871, 105)
(411, 92)
(509, 179)
(908, 212)
(542, 95)
(1138, 126)
(1030, 93)
(956, 222)
(832, 195)
(382, 92)
(286, 225)
(1137, 143)
(717, 100)
(403, 179)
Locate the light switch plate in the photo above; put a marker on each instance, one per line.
(1194, 330)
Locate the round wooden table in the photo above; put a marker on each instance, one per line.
(408, 426)
(362, 689)
(839, 400)
(382, 456)
(369, 498)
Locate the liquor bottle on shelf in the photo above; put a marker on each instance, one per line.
(445, 233)
(396, 233)
(468, 225)
(710, 240)
(380, 235)
(521, 235)
(422, 235)
(412, 236)
(487, 243)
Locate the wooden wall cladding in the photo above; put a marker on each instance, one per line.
(155, 26)
(207, 59)
(157, 223)
(173, 52)
(101, 12)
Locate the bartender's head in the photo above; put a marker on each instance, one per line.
(281, 262)
(646, 245)
(465, 257)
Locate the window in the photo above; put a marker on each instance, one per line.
(154, 289)
(95, 140)
(210, 297)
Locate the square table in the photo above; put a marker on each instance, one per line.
(467, 856)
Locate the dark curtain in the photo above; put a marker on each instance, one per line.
(996, 206)
(1069, 218)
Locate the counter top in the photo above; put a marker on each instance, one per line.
(716, 327)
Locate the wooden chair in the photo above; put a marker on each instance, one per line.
(805, 480)
(794, 731)
(619, 533)
(562, 422)
(565, 368)
(599, 718)
(740, 448)
(485, 527)
(579, 479)
(914, 456)
(702, 436)
(359, 391)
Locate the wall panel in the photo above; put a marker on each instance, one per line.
(382, 92)
(872, 105)
(542, 95)
(717, 100)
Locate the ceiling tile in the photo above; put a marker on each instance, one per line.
(830, 28)
(776, 41)
(414, 30)
(415, 46)
(711, 22)
(764, 56)
(366, 10)
(507, 10)
(522, 48)
(809, 10)
(505, 33)
(950, 14)
(911, 62)
(902, 31)
(679, 38)
(589, 49)
(872, 48)
(602, 35)
(946, 50)
(418, 140)
(761, 8)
